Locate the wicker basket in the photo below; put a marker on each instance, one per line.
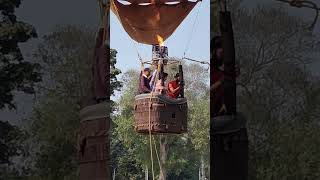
(166, 115)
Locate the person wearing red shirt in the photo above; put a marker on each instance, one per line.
(174, 87)
(218, 76)
(218, 90)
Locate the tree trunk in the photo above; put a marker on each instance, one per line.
(202, 169)
(163, 156)
(146, 173)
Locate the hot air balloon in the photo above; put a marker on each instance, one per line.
(147, 20)
(151, 22)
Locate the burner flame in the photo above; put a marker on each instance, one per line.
(160, 40)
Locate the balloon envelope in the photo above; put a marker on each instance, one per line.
(151, 21)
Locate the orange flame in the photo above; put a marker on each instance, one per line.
(160, 40)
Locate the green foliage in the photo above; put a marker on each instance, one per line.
(125, 142)
(124, 160)
(54, 127)
(65, 56)
(12, 147)
(15, 73)
(11, 138)
(115, 85)
(182, 149)
(275, 93)
(184, 159)
(199, 132)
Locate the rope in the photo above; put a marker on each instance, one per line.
(201, 62)
(137, 50)
(142, 48)
(150, 102)
(150, 134)
(192, 29)
(150, 140)
(154, 141)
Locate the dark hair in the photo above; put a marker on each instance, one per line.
(216, 42)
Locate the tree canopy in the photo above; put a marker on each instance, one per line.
(66, 55)
(180, 149)
(16, 75)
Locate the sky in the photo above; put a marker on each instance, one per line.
(199, 38)
(192, 37)
(44, 15)
(199, 48)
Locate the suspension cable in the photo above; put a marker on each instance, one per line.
(201, 62)
(177, 60)
(150, 128)
(155, 147)
(137, 51)
(192, 30)
(150, 138)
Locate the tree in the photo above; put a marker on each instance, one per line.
(66, 55)
(11, 140)
(274, 93)
(11, 137)
(16, 74)
(123, 135)
(176, 151)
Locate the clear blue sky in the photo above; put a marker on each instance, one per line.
(199, 47)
